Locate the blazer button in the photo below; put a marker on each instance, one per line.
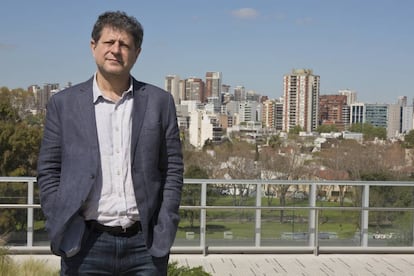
(92, 176)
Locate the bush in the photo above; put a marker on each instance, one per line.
(29, 267)
(175, 270)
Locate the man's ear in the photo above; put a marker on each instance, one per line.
(93, 44)
(93, 47)
(137, 52)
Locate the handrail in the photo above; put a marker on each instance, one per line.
(313, 245)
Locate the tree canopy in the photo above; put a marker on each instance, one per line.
(19, 136)
(369, 131)
(409, 139)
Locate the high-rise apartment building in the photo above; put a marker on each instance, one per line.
(194, 89)
(394, 120)
(346, 116)
(213, 85)
(351, 96)
(331, 110)
(301, 97)
(279, 114)
(172, 85)
(239, 93)
(248, 111)
(268, 114)
(181, 89)
(407, 119)
(225, 88)
(402, 100)
(48, 90)
(400, 117)
(252, 96)
(37, 94)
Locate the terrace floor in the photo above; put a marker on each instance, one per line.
(286, 264)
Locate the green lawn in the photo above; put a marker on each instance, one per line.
(242, 222)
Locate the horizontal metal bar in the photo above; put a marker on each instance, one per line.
(246, 249)
(255, 182)
(391, 209)
(395, 209)
(19, 206)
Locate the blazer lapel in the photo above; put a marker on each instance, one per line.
(86, 111)
(140, 106)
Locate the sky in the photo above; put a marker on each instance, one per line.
(363, 45)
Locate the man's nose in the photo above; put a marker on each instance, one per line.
(116, 47)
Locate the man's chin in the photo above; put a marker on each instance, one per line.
(115, 72)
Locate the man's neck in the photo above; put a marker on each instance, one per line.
(112, 86)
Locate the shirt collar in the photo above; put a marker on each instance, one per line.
(97, 93)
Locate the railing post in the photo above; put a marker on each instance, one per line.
(412, 224)
(313, 235)
(258, 214)
(203, 203)
(316, 236)
(30, 221)
(364, 216)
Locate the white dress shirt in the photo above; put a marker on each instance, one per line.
(112, 200)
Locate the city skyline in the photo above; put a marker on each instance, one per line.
(362, 46)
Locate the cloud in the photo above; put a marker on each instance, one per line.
(245, 13)
(4, 46)
(305, 21)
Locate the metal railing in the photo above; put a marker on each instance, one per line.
(220, 203)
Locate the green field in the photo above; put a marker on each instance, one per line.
(241, 223)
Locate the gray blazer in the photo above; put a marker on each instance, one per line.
(69, 162)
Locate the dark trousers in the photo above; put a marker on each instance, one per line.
(106, 254)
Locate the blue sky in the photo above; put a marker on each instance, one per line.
(362, 45)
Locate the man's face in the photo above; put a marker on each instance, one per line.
(115, 52)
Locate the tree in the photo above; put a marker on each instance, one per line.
(369, 131)
(409, 139)
(295, 131)
(274, 141)
(19, 147)
(7, 112)
(285, 163)
(333, 158)
(327, 128)
(203, 159)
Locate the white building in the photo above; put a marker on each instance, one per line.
(407, 119)
(249, 111)
(201, 128)
(394, 120)
(357, 113)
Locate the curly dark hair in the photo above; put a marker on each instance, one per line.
(120, 21)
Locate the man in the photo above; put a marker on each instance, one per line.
(110, 168)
